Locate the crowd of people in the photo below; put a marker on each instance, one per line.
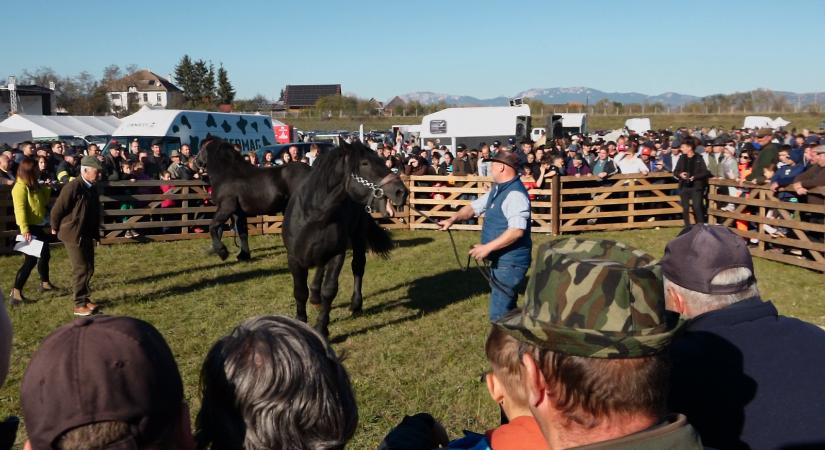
(675, 353)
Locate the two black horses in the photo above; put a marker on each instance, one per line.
(326, 213)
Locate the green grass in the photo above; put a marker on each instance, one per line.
(597, 122)
(418, 347)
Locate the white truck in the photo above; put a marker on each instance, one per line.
(177, 127)
(472, 126)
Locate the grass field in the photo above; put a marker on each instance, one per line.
(597, 122)
(418, 347)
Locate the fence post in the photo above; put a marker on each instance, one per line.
(555, 205)
(712, 204)
(408, 182)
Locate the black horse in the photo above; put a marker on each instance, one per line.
(240, 189)
(327, 214)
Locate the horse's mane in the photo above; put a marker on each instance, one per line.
(223, 157)
(326, 187)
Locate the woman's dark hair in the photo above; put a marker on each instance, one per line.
(28, 173)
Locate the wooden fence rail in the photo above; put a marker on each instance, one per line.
(563, 205)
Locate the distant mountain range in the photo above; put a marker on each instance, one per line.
(563, 95)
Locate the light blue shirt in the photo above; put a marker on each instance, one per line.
(516, 208)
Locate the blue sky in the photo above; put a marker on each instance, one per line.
(483, 49)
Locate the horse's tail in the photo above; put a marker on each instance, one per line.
(379, 240)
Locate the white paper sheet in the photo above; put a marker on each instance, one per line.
(33, 247)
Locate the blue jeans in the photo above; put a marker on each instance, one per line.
(506, 280)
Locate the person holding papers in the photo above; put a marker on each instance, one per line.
(30, 200)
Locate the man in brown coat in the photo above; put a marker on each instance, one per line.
(75, 220)
(813, 177)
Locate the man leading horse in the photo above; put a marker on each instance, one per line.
(505, 235)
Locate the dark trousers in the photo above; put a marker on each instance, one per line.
(29, 262)
(695, 196)
(82, 258)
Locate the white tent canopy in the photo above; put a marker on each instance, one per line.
(51, 127)
(764, 122)
(12, 136)
(637, 124)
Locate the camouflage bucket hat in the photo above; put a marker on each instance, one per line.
(594, 298)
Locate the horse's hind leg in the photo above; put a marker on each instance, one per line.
(243, 235)
(359, 262)
(216, 231)
(315, 289)
(299, 290)
(329, 290)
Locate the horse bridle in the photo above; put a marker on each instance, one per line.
(375, 188)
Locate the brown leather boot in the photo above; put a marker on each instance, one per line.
(16, 297)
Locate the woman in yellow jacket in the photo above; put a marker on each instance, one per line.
(30, 200)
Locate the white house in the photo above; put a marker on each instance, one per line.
(142, 88)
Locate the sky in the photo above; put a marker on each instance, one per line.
(482, 49)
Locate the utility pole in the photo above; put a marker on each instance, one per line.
(13, 95)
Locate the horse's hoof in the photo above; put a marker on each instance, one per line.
(222, 253)
(315, 300)
(317, 306)
(357, 312)
(244, 256)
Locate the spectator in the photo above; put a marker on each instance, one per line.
(134, 150)
(105, 382)
(46, 175)
(446, 167)
(462, 162)
(746, 376)
(159, 161)
(767, 154)
(68, 170)
(275, 383)
(785, 175)
(185, 153)
(578, 167)
(268, 159)
(631, 163)
(284, 159)
(253, 158)
(27, 151)
(111, 164)
(417, 166)
(30, 201)
(671, 159)
(175, 167)
(811, 178)
(594, 355)
(483, 161)
(692, 175)
(293, 153)
(603, 166)
(7, 177)
(313, 153)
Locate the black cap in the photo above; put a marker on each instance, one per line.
(505, 157)
(101, 368)
(511, 141)
(157, 141)
(497, 143)
(461, 147)
(675, 144)
(700, 252)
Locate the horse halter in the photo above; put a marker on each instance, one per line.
(375, 189)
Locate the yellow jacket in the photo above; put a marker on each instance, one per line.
(29, 205)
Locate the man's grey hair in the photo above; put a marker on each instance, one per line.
(275, 383)
(699, 302)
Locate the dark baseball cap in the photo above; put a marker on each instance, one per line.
(461, 147)
(700, 252)
(505, 157)
(98, 369)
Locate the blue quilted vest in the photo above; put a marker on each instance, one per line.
(495, 223)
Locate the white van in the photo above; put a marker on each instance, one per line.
(177, 127)
(471, 126)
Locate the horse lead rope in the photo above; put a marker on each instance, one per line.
(485, 270)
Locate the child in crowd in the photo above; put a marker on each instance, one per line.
(126, 170)
(506, 388)
(166, 203)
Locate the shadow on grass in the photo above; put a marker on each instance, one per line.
(426, 295)
(256, 255)
(197, 285)
(406, 243)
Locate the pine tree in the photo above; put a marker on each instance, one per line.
(226, 94)
(186, 80)
(209, 89)
(200, 73)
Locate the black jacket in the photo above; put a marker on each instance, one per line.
(747, 377)
(696, 168)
